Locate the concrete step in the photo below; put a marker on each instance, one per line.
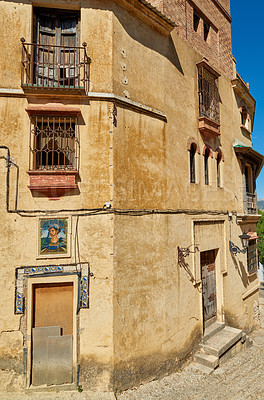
(207, 360)
(202, 368)
(221, 342)
(212, 330)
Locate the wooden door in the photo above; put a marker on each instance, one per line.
(208, 284)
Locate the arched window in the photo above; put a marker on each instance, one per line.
(218, 168)
(206, 169)
(192, 162)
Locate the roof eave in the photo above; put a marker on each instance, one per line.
(253, 154)
(150, 13)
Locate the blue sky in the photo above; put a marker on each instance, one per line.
(248, 49)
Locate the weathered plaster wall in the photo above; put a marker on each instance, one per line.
(153, 332)
(15, 22)
(138, 59)
(94, 243)
(146, 151)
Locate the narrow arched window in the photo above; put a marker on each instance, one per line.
(218, 169)
(206, 169)
(192, 162)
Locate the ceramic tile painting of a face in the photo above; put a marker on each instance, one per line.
(53, 236)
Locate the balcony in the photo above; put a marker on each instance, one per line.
(250, 203)
(54, 67)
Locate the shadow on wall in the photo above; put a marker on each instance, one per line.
(144, 34)
(164, 45)
(241, 270)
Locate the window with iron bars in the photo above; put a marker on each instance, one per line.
(208, 95)
(54, 143)
(252, 259)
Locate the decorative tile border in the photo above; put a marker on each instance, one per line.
(23, 273)
(42, 270)
(84, 292)
(19, 303)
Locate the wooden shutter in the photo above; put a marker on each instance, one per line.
(45, 53)
(69, 55)
(56, 66)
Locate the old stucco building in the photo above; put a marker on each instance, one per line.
(125, 143)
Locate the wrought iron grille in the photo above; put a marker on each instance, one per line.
(251, 203)
(252, 260)
(54, 143)
(49, 66)
(208, 95)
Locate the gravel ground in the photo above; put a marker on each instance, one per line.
(241, 378)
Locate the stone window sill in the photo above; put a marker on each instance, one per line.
(208, 127)
(52, 184)
(246, 130)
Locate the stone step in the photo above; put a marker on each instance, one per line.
(221, 342)
(206, 359)
(212, 330)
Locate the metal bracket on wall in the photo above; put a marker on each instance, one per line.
(234, 249)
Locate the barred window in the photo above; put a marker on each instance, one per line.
(54, 143)
(252, 260)
(208, 95)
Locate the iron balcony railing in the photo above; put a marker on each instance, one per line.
(251, 203)
(49, 66)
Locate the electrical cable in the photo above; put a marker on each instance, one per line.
(79, 212)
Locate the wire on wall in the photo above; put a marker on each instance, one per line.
(80, 212)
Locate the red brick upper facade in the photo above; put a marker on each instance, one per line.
(206, 25)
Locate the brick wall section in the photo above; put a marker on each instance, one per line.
(218, 47)
(225, 4)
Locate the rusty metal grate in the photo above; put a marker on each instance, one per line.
(208, 95)
(54, 143)
(49, 66)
